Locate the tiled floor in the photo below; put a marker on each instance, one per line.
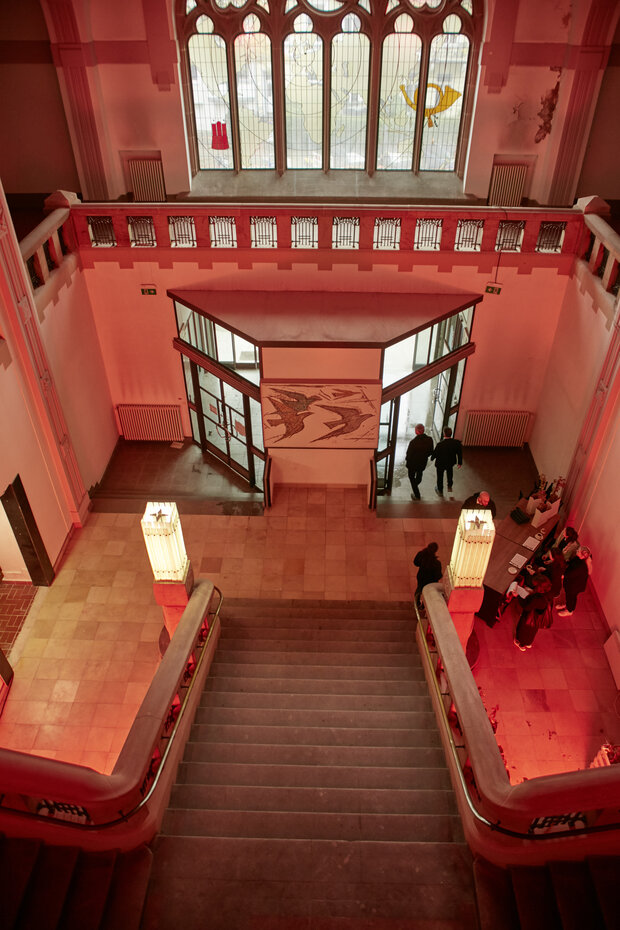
(90, 644)
(15, 603)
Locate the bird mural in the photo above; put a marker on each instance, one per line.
(292, 409)
(349, 420)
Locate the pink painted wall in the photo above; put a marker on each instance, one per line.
(23, 453)
(31, 108)
(74, 353)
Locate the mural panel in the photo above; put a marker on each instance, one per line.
(307, 414)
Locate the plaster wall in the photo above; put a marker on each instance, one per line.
(68, 332)
(24, 454)
(574, 364)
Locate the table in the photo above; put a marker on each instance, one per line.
(509, 539)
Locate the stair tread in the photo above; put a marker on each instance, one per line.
(238, 699)
(244, 752)
(128, 890)
(88, 892)
(18, 856)
(301, 736)
(310, 879)
(341, 776)
(47, 889)
(347, 687)
(312, 719)
(308, 799)
(442, 827)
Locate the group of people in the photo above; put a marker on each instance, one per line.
(446, 454)
(557, 580)
(553, 582)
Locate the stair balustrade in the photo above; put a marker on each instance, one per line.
(566, 816)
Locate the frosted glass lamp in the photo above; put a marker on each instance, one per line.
(471, 551)
(161, 527)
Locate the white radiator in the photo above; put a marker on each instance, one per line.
(147, 180)
(496, 427)
(507, 185)
(157, 422)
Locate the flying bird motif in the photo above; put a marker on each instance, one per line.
(292, 410)
(350, 419)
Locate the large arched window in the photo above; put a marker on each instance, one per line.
(375, 85)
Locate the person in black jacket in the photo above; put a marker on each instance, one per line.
(416, 458)
(576, 577)
(481, 500)
(536, 614)
(447, 453)
(429, 569)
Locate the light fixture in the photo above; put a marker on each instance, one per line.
(161, 527)
(471, 551)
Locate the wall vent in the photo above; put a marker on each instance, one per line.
(147, 180)
(507, 185)
(496, 427)
(155, 422)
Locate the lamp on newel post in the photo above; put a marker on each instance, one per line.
(471, 551)
(172, 570)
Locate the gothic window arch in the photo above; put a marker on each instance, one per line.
(328, 84)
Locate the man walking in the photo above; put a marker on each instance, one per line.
(447, 453)
(416, 458)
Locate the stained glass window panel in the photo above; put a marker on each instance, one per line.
(400, 69)
(303, 94)
(255, 99)
(349, 100)
(444, 102)
(211, 100)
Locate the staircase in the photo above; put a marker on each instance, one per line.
(313, 791)
(558, 896)
(64, 888)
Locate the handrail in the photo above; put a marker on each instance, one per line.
(155, 761)
(492, 825)
(516, 802)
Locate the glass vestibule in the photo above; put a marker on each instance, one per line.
(224, 406)
(427, 370)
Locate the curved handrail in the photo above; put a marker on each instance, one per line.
(148, 730)
(500, 802)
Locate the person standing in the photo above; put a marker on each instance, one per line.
(576, 577)
(429, 569)
(447, 453)
(536, 614)
(416, 458)
(480, 501)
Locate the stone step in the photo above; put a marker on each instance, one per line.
(246, 753)
(314, 719)
(312, 799)
(343, 687)
(321, 736)
(314, 609)
(312, 647)
(327, 659)
(298, 884)
(323, 639)
(293, 775)
(230, 666)
(418, 828)
(219, 697)
(364, 626)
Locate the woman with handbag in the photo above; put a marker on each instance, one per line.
(536, 614)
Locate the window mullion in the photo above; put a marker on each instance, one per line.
(419, 113)
(372, 124)
(234, 104)
(328, 51)
(279, 115)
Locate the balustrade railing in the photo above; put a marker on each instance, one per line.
(55, 800)
(569, 815)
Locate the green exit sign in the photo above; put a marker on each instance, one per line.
(493, 289)
(148, 290)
